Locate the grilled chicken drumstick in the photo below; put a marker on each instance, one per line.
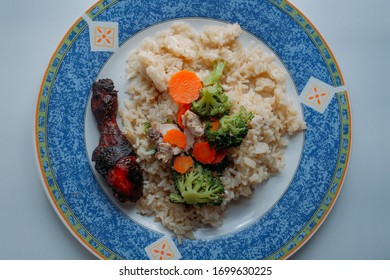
(114, 157)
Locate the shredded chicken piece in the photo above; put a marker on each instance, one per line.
(164, 152)
(154, 134)
(193, 123)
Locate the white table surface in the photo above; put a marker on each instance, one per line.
(358, 32)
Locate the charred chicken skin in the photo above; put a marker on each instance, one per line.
(114, 157)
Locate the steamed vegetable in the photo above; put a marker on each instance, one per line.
(196, 174)
(212, 101)
(184, 87)
(231, 130)
(203, 152)
(176, 138)
(215, 75)
(182, 164)
(180, 114)
(197, 186)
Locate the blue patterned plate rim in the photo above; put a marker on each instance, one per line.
(88, 213)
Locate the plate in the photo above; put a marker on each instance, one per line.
(283, 213)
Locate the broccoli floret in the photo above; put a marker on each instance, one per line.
(212, 101)
(232, 130)
(215, 75)
(197, 186)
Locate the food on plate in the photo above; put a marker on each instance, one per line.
(197, 186)
(230, 130)
(202, 149)
(184, 87)
(114, 157)
(213, 101)
(183, 163)
(203, 152)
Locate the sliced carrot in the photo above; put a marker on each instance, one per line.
(175, 137)
(184, 87)
(215, 125)
(183, 163)
(180, 114)
(219, 156)
(204, 153)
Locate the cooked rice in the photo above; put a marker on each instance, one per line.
(251, 79)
